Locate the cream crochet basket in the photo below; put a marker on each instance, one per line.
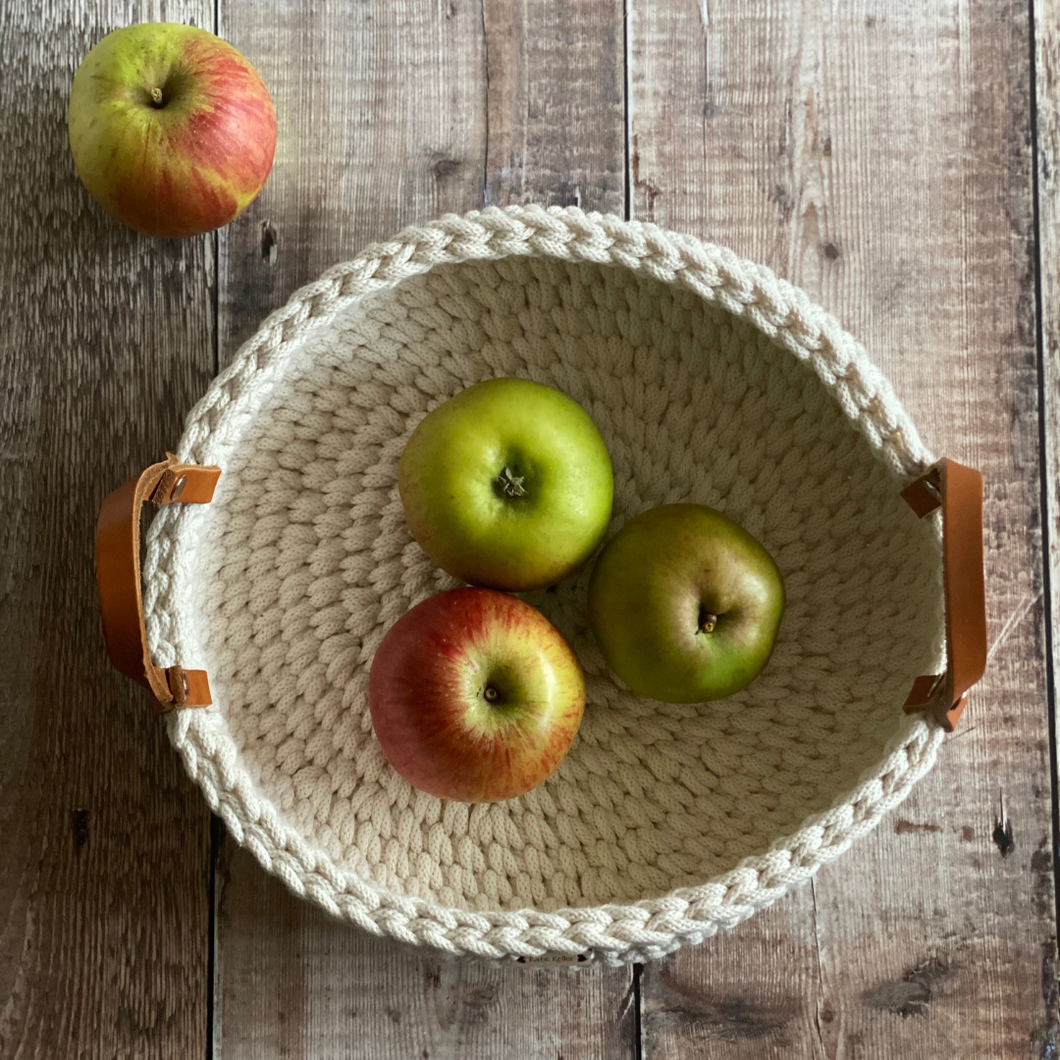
(711, 381)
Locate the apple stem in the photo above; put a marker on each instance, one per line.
(491, 694)
(156, 96)
(511, 483)
(707, 622)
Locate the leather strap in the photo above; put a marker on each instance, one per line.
(118, 575)
(958, 491)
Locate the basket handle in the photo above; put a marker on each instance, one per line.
(958, 491)
(118, 576)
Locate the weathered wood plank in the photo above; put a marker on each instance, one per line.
(1047, 102)
(881, 159)
(556, 83)
(297, 984)
(105, 338)
(753, 993)
(380, 108)
(383, 111)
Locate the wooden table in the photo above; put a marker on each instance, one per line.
(897, 158)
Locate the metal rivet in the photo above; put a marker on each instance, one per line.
(178, 488)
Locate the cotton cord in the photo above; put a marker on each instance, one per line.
(711, 381)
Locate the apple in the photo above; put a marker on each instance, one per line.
(508, 485)
(685, 604)
(171, 129)
(475, 696)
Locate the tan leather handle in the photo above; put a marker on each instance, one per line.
(958, 491)
(118, 575)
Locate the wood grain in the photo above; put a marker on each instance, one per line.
(1047, 102)
(556, 103)
(880, 156)
(105, 338)
(752, 993)
(381, 115)
(386, 118)
(297, 984)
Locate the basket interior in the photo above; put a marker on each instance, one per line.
(304, 561)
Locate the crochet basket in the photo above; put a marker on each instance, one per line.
(711, 381)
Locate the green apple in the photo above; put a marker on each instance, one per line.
(507, 485)
(685, 604)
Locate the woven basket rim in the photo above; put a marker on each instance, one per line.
(615, 932)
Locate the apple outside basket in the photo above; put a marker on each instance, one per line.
(286, 558)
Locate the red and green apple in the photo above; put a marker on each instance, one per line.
(508, 485)
(685, 604)
(475, 696)
(171, 129)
